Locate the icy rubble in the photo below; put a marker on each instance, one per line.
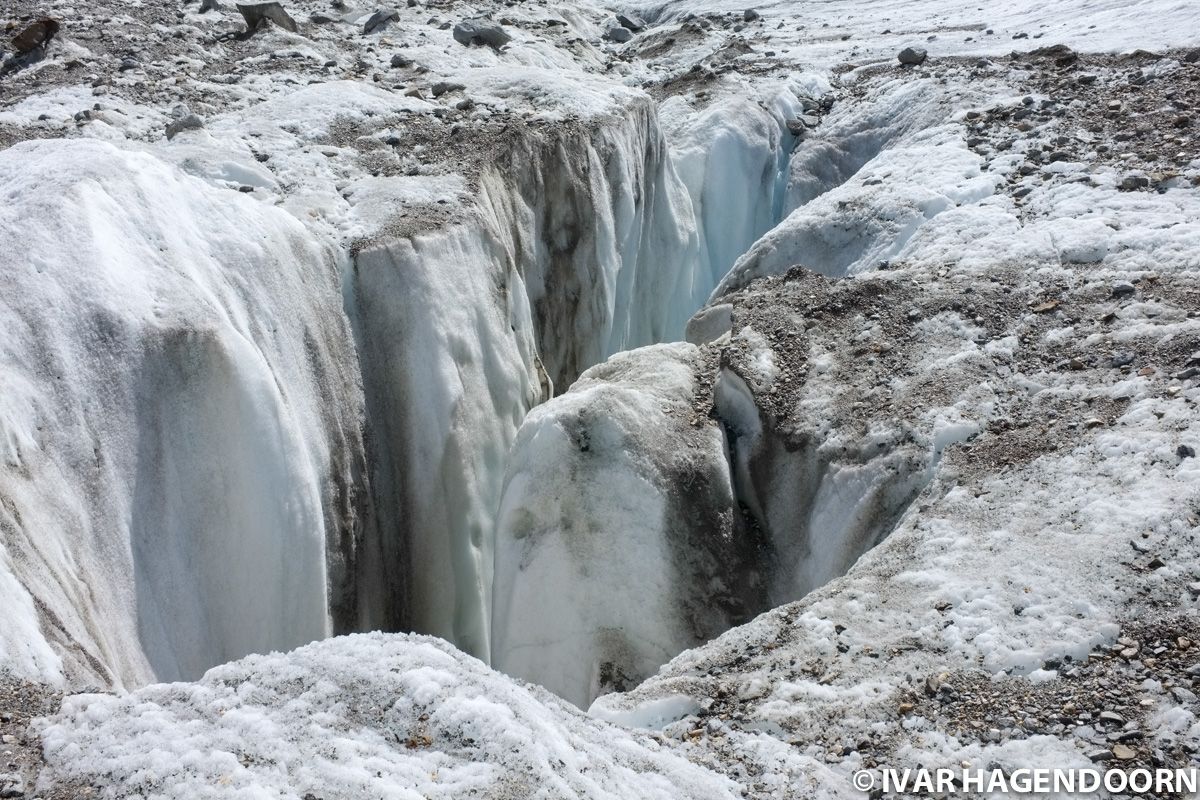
(369, 715)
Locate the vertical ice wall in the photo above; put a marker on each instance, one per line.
(582, 243)
(180, 421)
(734, 158)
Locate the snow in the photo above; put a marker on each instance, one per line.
(390, 716)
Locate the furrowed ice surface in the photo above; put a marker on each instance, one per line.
(361, 716)
(180, 421)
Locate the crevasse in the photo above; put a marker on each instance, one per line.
(587, 240)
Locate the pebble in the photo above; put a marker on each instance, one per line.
(749, 15)
(912, 56)
(1123, 289)
(1185, 451)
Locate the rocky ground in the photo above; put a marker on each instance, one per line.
(21, 702)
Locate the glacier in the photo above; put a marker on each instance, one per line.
(793, 412)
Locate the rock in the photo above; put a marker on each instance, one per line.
(1123, 752)
(911, 56)
(11, 785)
(399, 61)
(442, 87)
(1185, 451)
(128, 64)
(618, 34)
(188, 122)
(1100, 755)
(631, 21)
(1131, 183)
(481, 31)
(209, 5)
(750, 14)
(1123, 289)
(1111, 718)
(256, 14)
(380, 20)
(1122, 359)
(35, 36)
(1192, 56)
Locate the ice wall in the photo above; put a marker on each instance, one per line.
(734, 157)
(582, 243)
(180, 422)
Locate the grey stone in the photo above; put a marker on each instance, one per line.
(1122, 359)
(11, 785)
(443, 87)
(35, 36)
(399, 61)
(1131, 183)
(1185, 451)
(188, 122)
(618, 34)
(209, 5)
(911, 56)
(631, 21)
(481, 32)
(380, 20)
(749, 15)
(1123, 289)
(256, 14)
